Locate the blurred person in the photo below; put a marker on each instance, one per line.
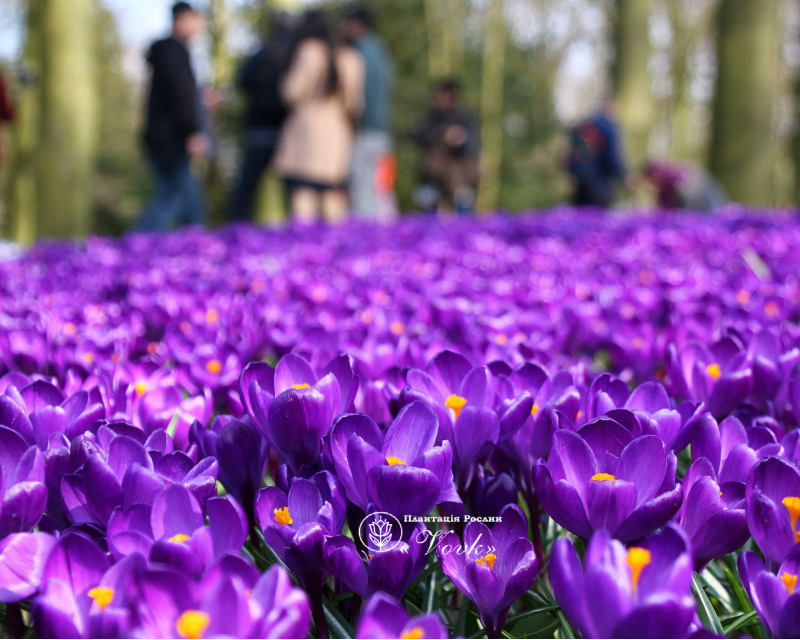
(683, 186)
(450, 143)
(174, 133)
(373, 144)
(259, 81)
(6, 108)
(595, 159)
(323, 87)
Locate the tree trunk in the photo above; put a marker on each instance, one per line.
(26, 132)
(68, 119)
(494, 42)
(741, 137)
(445, 23)
(631, 77)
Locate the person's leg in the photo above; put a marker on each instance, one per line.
(368, 148)
(255, 162)
(164, 205)
(195, 205)
(334, 205)
(305, 204)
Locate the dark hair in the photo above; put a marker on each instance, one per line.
(449, 85)
(360, 14)
(180, 8)
(314, 26)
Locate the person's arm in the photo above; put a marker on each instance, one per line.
(428, 132)
(353, 83)
(304, 74)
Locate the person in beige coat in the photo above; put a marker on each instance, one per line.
(323, 87)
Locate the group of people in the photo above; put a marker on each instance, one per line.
(319, 103)
(596, 165)
(318, 114)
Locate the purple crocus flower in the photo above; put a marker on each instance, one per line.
(640, 592)
(23, 494)
(294, 408)
(464, 400)
(295, 526)
(402, 473)
(491, 492)
(390, 570)
(231, 600)
(72, 601)
(776, 598)
(22, 558)
(172, 531)
(719, 376)
(120, 471)
(603, 478)
(494, 567)
(241, 453)
(712, 514)
(773, 508)
(385, 617)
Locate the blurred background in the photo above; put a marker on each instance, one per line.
(714, 83)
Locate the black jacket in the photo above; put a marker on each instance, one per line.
(173, 106)
(259, 79)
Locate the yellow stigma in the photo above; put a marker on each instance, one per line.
(637, 559)
(103, 596)
(282, 516)
(141, 388)
(70, 329)
(580, 414)
(792, 504)
(397, 328)
(301, 386)
(214, 366)
(602, 477)
(638, 343)
(789, 581)
(501, 339)
(456, 403)
(534, 409)
(714, 371)
(487, 560)
(366, 316)
(178, 537)
(414, 633)
(212, 316)
(88, 357)
(185, 327)
(742, 296)
(192, 624)
(152, 348)
(393, 461)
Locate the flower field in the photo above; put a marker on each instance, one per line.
(559, 425)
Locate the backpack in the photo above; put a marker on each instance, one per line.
(586, 146)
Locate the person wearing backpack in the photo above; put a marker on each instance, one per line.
(259, 80)
(595, 159)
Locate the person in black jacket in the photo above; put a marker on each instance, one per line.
(259, 80)
(173, 134)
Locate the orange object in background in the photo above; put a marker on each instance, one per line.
(386, 173)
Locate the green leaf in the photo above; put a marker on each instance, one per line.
(461, 624)
(430, 592)
(705, 610)
(741, 621)
(337, 625)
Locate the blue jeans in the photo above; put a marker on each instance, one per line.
(177, 199)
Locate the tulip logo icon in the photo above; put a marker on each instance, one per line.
(379, 527)
(380, 533)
